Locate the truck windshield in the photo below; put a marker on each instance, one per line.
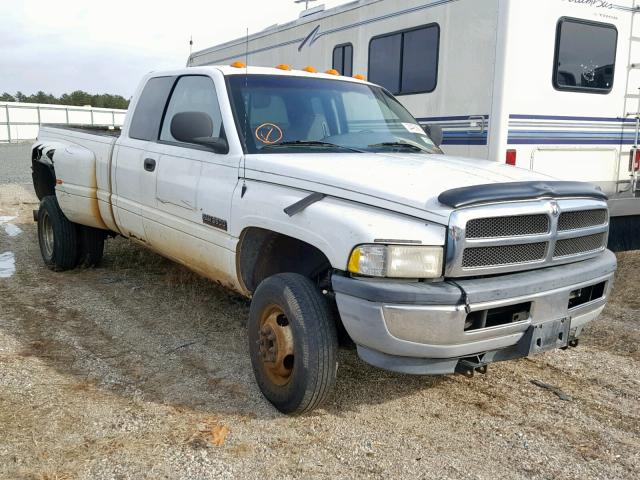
(278, 114)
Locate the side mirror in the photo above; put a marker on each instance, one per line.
(197, 127)
(185, 126)
(435, 133)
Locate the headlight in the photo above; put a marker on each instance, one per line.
(396, 261)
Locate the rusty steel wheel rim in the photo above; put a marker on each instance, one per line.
(276, 345)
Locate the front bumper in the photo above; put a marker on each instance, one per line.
(420, 327)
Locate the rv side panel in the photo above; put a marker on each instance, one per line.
(465, 47)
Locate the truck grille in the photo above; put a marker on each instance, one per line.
(519, 236)
(574, 246)
(582, 219)
(512, 226)
(506, 255)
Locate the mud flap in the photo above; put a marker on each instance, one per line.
(546, 336)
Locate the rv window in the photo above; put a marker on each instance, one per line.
(406, 62)
(585, 56)
(145, 123)
(384, 62)
(343, 59)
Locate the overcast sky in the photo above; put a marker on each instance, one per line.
(105, 47)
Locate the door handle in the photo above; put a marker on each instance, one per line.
(478, 122)
(149, 164)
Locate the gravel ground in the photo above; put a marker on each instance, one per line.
(139, 369)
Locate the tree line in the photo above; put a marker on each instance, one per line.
(77, 98)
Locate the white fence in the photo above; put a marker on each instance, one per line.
(21, 121)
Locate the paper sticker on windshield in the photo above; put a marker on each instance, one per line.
(413, 128)
(269, 133)
(428, 141)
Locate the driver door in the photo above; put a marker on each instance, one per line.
(193, 183)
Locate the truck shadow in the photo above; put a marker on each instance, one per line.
(145, 328)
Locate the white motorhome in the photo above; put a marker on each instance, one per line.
(548, 85)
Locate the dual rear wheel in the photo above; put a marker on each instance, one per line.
(64, 245)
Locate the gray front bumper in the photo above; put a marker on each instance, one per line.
(419, 327)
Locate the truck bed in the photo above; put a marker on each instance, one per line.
(81, 158)
(103, 130)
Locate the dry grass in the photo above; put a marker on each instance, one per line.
(627, 290)
(620, 333)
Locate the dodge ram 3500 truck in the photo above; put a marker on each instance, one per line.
(322, 199)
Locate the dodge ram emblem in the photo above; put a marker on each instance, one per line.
(555, 209)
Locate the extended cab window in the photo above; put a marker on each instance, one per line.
(193, 93)
(343, 59)
(585, 56)
(406, 62)
(145, 123)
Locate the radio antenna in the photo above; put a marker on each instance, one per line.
(246, 114)
(306, 3)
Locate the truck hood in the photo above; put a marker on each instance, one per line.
(408, 183)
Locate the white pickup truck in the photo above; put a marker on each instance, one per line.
(322, 199)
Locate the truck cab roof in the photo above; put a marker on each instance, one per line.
(229, 70)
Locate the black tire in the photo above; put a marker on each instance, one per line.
(90, 246)
(57, 236)
(310, 375)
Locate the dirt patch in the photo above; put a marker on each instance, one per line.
(139, 369)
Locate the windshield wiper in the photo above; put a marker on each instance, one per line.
(414, 148)
(312, 143)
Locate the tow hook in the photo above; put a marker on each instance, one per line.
(469, 366)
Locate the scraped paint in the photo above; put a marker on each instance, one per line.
(7, 264)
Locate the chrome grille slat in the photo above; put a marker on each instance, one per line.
(578, 245)
(515, 236)
(582, 219)
(511, 226)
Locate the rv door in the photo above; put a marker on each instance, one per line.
(585, 139)
(629, 179)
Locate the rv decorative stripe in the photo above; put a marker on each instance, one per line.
(570, 130)
(382, 17)
(565, 141)
(448, 119)
(577, 119)
(461, 129)
(312, 37)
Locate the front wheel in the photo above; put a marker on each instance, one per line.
(57, 236)
(292, 343)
